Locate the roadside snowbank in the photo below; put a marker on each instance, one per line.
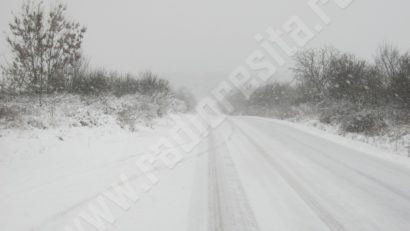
(67, 110)
(393, 141)
(331, 133)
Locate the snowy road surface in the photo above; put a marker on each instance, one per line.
(297, 181)
(248, 174)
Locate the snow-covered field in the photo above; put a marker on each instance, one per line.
(46, 172)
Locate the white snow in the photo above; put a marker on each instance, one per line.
(49, 176)
(250, 173)
(299, 178)
(391, 143)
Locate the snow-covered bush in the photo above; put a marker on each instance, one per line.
(334, 112)
(8, 113)
(69, 110)
(10, 116)
(134, 112)
(368, 122)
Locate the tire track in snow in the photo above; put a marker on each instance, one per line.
(229, 209)
(324, 215)
(373, 179)
(56, 218)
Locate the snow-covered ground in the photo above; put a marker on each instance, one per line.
(55, 173)
(248, 174)
(300, 178)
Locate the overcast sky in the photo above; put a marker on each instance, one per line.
(192, 41)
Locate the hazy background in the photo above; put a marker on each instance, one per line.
(197, 43)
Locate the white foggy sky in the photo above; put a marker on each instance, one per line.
(200, 42)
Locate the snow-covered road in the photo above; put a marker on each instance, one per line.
(248, 174)
(295, 180)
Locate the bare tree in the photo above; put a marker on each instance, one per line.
(395, 68)
(347, 77)
(388, 61)
(45, 47)
(312, 69)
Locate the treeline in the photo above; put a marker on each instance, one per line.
(88, 81)
(339, 88)
(100, 81)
